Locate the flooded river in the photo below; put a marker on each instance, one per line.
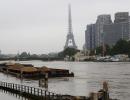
(88, 78)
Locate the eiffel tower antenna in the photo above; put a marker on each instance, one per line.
(69, 19)
(70, 42)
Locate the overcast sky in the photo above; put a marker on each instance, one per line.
(41, 26)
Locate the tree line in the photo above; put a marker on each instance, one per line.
(121, 47)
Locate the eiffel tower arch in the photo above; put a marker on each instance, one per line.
(70, 42)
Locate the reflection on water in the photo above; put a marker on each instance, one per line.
(4, 95)
(88, 77)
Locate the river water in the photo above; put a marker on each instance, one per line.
(88, 78)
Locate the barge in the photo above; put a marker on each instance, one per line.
(29, 71)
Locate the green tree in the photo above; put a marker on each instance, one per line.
(34, 56)
(99, 50)
(70, 52)
(107, 50)
(121, 47)
(129, 48)
(24, 55)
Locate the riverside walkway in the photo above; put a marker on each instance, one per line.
(32, 93)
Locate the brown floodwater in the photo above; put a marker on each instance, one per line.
(88, 78)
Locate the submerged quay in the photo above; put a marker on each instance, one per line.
(33, 93)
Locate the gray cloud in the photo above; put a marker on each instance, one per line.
(40, 26)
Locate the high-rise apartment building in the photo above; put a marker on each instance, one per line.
(105, 31)
(101, 21)
(121, 17)
(90, 37)
(120, 29)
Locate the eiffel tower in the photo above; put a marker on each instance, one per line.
(70, 42)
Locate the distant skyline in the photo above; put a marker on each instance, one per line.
(41, 26)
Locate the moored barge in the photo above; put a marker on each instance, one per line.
(29, 71)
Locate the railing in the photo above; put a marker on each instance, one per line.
(40, 94)
(22, 89)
